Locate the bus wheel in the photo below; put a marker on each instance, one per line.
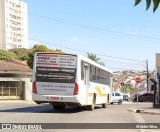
(58, 107)
(91, 107)
(104, 105)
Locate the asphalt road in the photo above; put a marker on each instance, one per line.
(32, 113)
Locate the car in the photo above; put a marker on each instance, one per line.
(125, 97)
(134, 97)
(116, 97)
(146, 97)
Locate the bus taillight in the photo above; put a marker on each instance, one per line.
(34, 87)
(76, 89)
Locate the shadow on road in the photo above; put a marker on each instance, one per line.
(46, 109)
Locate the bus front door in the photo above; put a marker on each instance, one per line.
(86, 81)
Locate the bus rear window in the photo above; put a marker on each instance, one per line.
(55, 74)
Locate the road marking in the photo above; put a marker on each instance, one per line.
(139, 118)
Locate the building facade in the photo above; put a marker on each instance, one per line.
(13, 24)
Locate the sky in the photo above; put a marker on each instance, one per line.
(121, 35)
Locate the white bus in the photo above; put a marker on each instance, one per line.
(68, 79)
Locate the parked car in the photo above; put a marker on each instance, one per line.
(125, 97)
(134, 97)
(146, 97)
(116, 98)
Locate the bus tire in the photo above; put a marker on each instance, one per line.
(58, 107)
(91, 107)
(104, 105)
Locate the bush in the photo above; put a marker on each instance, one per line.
(7, 55)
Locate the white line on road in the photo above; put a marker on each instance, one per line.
(139, 118)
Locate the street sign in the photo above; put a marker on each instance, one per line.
(138, 79)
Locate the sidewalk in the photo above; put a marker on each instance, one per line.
(145, 110)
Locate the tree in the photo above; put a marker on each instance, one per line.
(148, 3)
(94, 58)
(22, 53)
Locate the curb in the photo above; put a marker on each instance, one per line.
(135, 110)
(155, 112)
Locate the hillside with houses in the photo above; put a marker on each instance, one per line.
(125, 81)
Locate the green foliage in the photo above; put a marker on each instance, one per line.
(94, 58)
(148, 3)
(7, 55)
(137, 2)
(127, 88)
(156, 4)
(22, 53)
(38, 48)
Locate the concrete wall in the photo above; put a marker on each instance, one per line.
(28, 89)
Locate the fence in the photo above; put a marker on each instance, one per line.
(10, 93)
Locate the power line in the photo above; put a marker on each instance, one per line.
(120, 34)
(120, 61)
(79, 50)
(94, 28)
(86, 51)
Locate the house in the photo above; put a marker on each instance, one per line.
(15, 81)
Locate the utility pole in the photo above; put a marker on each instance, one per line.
(147, 74)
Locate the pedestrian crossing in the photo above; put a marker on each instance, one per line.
(139, 118)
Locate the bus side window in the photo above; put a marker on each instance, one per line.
(93, 74)
(105, 77)
(90, 73)
(108, 78)
(98, 75)
(101, 76)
